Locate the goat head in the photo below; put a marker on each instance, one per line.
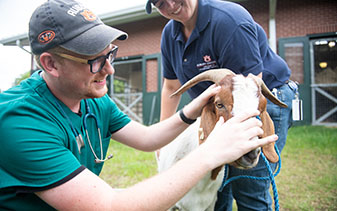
(237, 94)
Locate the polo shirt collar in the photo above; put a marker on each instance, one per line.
(204, 17)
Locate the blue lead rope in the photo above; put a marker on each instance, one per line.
(271, 177)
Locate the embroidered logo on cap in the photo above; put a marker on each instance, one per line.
(46, 36)
(88, 15)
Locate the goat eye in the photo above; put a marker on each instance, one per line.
(219, 105)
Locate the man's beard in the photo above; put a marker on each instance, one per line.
(92, 94)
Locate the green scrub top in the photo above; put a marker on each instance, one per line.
(38, 146)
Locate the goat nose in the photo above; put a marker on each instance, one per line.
(252, 155)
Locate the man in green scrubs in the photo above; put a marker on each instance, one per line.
(55, 127)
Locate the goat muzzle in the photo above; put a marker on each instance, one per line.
(249, 160)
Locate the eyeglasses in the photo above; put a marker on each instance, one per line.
(97, 63)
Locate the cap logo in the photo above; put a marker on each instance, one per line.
(88, 15)
(75, 9)
(46, 36)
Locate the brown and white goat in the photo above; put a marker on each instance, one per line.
(237, 94)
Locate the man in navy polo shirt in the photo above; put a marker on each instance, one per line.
(209, 34)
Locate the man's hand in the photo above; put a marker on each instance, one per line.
(194, 108)
(230, 140)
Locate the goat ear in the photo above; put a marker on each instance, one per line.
(208, 116)
(268, 128)
(265, 91)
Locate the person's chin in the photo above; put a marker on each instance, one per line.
(97, 93)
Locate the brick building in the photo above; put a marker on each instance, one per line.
(303, 32)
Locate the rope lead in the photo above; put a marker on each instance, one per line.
(271, 177)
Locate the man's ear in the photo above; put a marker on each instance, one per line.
(50, 64)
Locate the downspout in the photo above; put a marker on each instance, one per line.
(33, 65)
(272, 25)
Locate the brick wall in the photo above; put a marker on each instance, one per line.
(296, 17)
(259, 9)
(144, 37)
(151, 76)
(299, 18)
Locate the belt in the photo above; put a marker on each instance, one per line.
(292, 84)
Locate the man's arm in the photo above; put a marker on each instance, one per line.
(169, 104)
(86, 191)
(158, 135)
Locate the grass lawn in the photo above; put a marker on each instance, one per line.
(128, 166)
(307, 181)
(308, 177)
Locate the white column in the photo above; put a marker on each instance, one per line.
(272, 25)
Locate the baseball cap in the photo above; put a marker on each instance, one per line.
(69, 24)
(148, 7)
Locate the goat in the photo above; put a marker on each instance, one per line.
(237, 94)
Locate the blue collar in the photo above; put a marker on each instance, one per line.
(204, 17)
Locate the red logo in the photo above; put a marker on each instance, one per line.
(88, 15)
(46, 36)
(207, 58)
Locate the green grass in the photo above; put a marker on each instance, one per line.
(128, 166)
(307, 181)
(308, 177)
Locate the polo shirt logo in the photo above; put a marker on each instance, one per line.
(207, 63)
(207, 58)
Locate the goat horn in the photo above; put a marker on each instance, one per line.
(214, 75)
(266, 92)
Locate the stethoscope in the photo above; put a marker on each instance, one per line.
(78, 136)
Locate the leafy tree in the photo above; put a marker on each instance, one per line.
(21, 78)
(119, 86)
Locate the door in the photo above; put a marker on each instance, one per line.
(126, 88)
(295, 51)
(152, 86)
(152, 83)
(324, 80)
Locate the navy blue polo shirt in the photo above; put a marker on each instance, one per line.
(225, 36)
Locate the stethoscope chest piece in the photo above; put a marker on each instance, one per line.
(80, 142)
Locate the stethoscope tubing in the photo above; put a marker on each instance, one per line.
(88, 115)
